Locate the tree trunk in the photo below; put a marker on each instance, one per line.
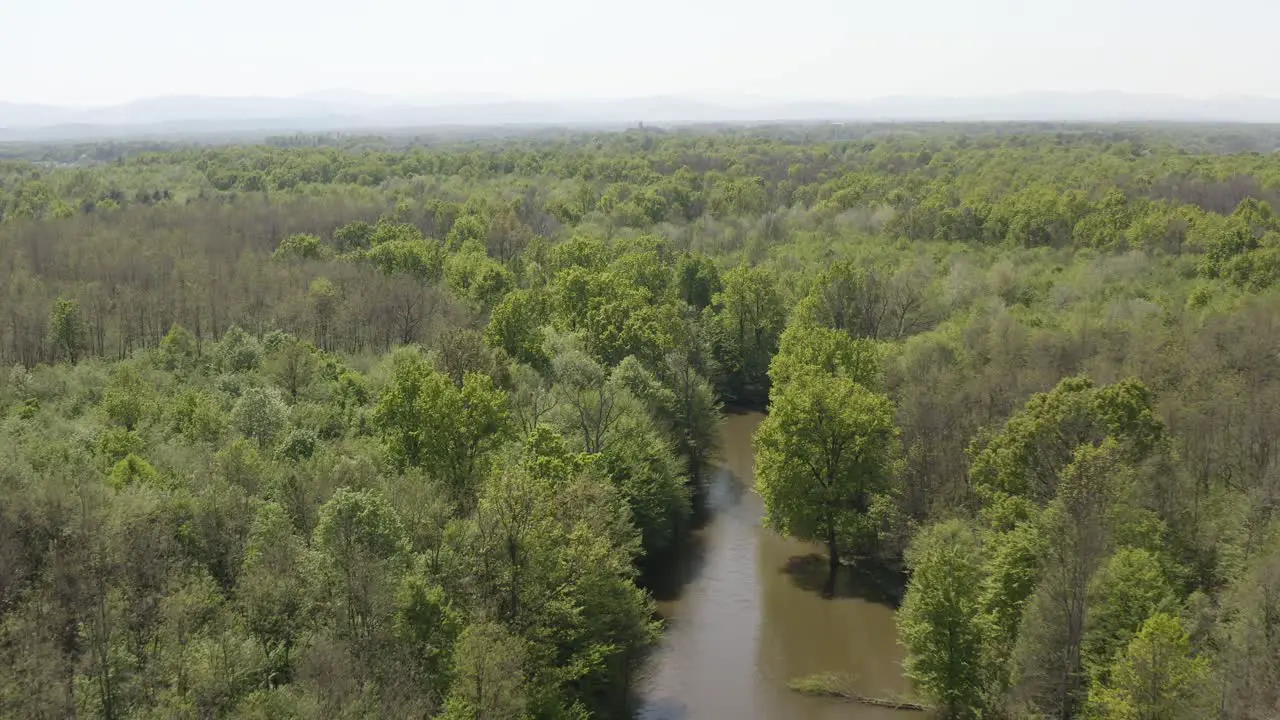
(833, 561)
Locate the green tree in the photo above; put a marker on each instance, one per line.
(942, 622)
(697, 280)
(260, 414)
(300, 246)
(1028, 454)
(131, 470)
(178, 349)
(353, 236)
(427, 626)
(822, 456)
(1128, 589)
(804, 347)
(489, 682)
(128, 399)
(293, 365)
(1156, 678)
(365, 550)
(746, 321)
(66, 330)
(272, 592)
(427, 421)
(1078, 527)
(516, 327)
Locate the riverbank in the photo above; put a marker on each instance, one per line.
(743, 616)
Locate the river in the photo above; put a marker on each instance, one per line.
(744, 614)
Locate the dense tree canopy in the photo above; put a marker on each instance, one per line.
(343, 426)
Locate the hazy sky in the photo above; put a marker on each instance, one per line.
(90, 51)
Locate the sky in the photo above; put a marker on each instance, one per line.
(89, 52)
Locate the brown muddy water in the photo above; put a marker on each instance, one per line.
(744, 614)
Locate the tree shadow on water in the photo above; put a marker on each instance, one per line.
(865, 579)
(666, 574)
(659, 709)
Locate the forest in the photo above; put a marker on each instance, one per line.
(347, 427)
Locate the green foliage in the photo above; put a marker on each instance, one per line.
(197, 416)
(490, 683)
(427, 421)
(1027, 455)
(297, 526)
(178, 349)
(273, 596)
(299, 444)
(697, 280)
(293, 365)
(66, 330)
(804, 348)
(1155, 677)
(354, 236)
(1127, 590)
(238, 351)
(478, 278)
(516, 326)
(260, 415)
(114, 443)
(300, 246)
(364, 548)
(822, 457)
(420, 259)
(941, 620)
(127, 400)
(745, 322)
(130, 471)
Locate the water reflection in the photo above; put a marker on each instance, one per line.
(744, 615)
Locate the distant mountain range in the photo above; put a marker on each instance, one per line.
(349, 110)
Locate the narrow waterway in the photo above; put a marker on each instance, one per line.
(744, 614)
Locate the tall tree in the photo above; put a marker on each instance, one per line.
(66, 330)
(823, 455)
(427, 421)
(1078, 528)
(747, 317)
(942, 622)
(1156, 678)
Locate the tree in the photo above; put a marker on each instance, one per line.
(353, 236)
(1128, 589)
(516, 327)
(260, 414)
(1156, 678)
(942, 622)
(292, 365)
(427, 421)
(300, 246)
(131, 470)
(66, 330)
(271, 593)
(1027, 456)
(365, 549)
(127, 400)
(1078, 528)
(867, 302)
(747, 318)
(178, 349)
(591, 401)
(822, 456)
(804, 347)
(697, 280)
(489, 682)
(427, 626)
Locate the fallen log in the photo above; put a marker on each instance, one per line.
(828, 685)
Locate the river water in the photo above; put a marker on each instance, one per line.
(744, 614)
